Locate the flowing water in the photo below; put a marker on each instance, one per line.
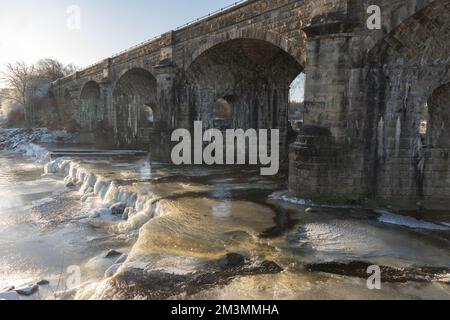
(199, 233)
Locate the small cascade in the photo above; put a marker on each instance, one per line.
(138, 208)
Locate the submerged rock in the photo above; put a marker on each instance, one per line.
(28, 291)
(127, 213)
(112, 254)
(70, 185)
(43, 283)
(270, 267)
(122, 259)
(161, 284)
(118, 209)
(232, 260)
(112, 270)
(358, 269)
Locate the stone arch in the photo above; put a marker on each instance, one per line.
(438, 132)
(90, 98)
(255, 74)
(133, 93)
(292, 48)
(397, 15)
(405, 68)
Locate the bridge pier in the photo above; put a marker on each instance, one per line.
(326, 161)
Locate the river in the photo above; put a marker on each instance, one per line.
(201, 233)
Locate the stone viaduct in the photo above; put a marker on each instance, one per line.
(377, 102)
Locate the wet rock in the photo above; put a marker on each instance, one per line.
(208, 279)
(358, 269)
(270, 267)
(122, 259)
(43, 283)
(112, 270)
(112, 254)
(28, 291)
(117, 209)
(70, 185)
(155, 285)
(127, 213)
(159, 284)
(232, 260)
(311, 210)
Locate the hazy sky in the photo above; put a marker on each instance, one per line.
(31, 29)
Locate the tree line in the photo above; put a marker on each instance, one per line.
(26, 91)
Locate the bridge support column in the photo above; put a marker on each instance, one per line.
(166, 109)
(326, 160)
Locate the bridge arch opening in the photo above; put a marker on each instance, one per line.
(438, 131)
(405, 68)
(148, 116)
(134, 100)
(89, 106)
(248, 80)
(223, 112)
(296, 102)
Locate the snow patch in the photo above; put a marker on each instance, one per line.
(410, 222)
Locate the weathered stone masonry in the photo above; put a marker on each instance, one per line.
(377, 101)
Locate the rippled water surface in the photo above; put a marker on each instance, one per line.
(181, 223)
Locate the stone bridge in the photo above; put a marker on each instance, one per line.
(377, 110)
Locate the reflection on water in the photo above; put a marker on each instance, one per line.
(184, 221)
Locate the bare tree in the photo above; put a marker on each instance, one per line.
(18, 78)
(29, 84)
(49, 70)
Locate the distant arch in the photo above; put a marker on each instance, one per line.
(90, 106)
(438, 131)
(296, 50)
(134, 96)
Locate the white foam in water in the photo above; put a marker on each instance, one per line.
(141, 208)
(100, 193)
(284, 196)
(410, 222)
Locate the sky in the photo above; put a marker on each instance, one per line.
(30, 29)
(84, 32)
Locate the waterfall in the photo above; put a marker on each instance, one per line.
(140, 207)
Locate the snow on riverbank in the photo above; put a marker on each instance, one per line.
(26, 141)
(409, 222)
